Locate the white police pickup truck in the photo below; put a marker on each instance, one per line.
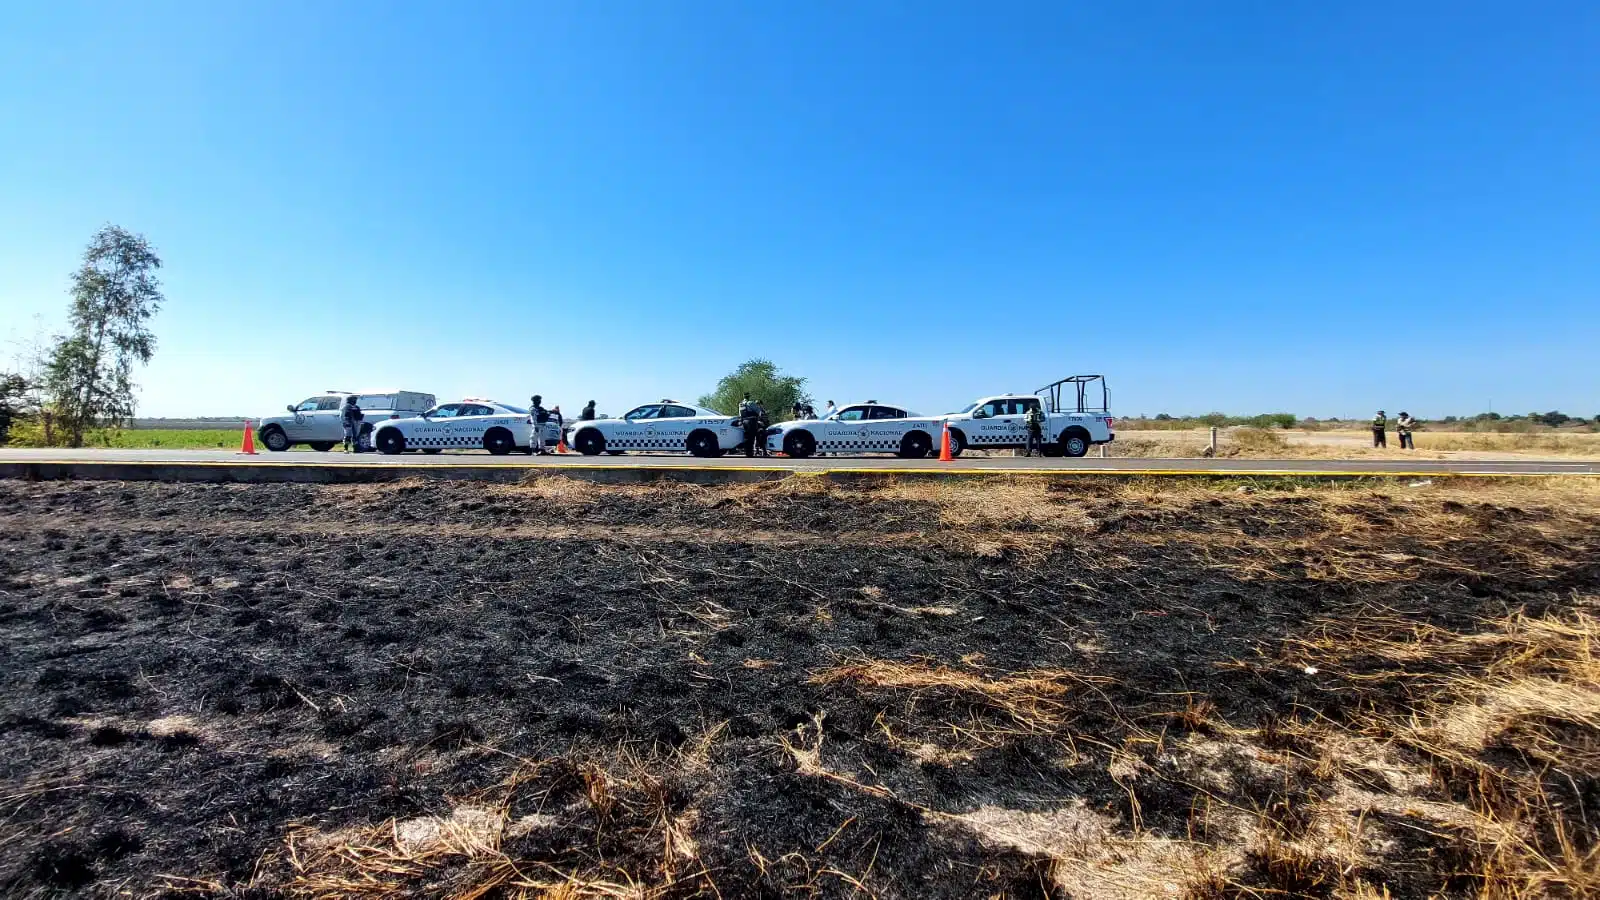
(1073, 422)
(472, 424)
(870, 427)
(316, 420)
(667, 425)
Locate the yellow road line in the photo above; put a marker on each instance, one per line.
(862, 470)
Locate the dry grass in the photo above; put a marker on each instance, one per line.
(1294, 444)
(621, 801)
(1032, 702)
(1507, 711)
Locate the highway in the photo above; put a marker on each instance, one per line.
(881, 464)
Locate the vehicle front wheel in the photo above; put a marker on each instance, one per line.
(498, 442)
(391, 442)
(915, 445)
(799, 443)
(1075, 442)
(702, 443)
(589, 442)
(273, 438)
(958, 442)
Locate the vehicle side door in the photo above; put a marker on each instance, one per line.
(638, 429)
(672, 426)
(327, 423)
(310, 420)
(848, 424)
(997, 423)
(435, 429)
(469, 424)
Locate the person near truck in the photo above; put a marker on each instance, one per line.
(587, 415)
(1402, 427)
(537, 416)
(830, 410)
(350, 417)
(1034, 419)
(1379, 423)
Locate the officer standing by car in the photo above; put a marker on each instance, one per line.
(753, 419)
(350, 417)
(1379, 423)
(1034, 419)
(538, 416)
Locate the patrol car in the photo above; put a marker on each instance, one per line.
(666, 425)
(870, 427)
(1072, 422)
(316, 420)
(472, 424)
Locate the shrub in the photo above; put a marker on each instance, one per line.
(1257, 439)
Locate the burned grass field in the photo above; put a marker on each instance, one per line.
(1086, 689)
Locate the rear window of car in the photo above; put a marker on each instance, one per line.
(887, 412)
(676, 412)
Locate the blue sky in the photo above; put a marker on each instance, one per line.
(1316, 207)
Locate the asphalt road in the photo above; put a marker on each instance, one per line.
(1420, 467)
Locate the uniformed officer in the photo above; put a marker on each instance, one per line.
(1034, 419)
(537, 416)
(587, 414)
(752, 418)
(1379, 423)
(350, 417)
(1402, 427)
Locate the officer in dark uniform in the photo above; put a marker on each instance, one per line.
(538, 416)
(587, 414)
(753, 419)
(1380, 422)
(350, 417)
(1034, 419)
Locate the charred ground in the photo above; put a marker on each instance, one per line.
(1078, 688)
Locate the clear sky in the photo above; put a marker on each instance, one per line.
(1315, 207)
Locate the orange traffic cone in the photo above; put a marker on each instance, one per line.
(561, 444)
(944, 445)
(249, 445)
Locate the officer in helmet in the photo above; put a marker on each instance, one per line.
(350, 417)
(537, 416)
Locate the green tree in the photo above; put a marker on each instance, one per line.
(89, 375)
(14, 402)
(760, 379)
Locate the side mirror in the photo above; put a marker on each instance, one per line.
(979, 414)
(291, 408)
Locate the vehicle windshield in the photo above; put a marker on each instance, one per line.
(964, 410)
(516, 409)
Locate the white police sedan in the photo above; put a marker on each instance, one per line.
(667, 425)
(870, 427)
(472, 424)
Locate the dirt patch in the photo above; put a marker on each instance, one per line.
(1086, 689)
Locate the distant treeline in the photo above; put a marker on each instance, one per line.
(1488, 421)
